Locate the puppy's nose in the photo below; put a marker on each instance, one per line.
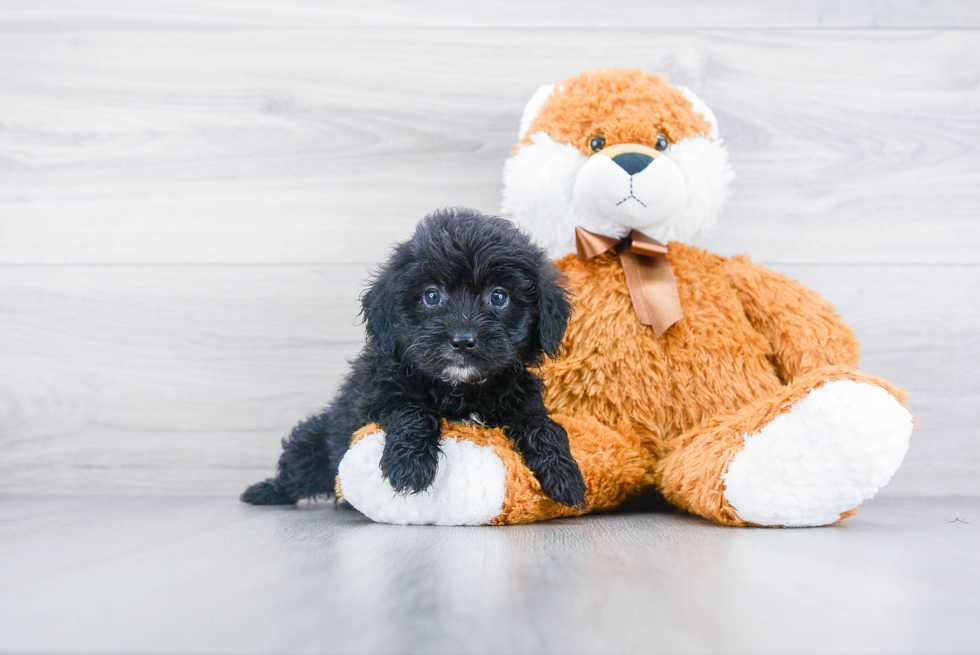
(463, 340)
(633, 162)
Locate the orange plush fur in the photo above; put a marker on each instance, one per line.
(590, 105)
(751, 343)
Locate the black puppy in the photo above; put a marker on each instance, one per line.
(454, 319)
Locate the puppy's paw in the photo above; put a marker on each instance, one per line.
(562, 482)
(409, 466)
(546, 452)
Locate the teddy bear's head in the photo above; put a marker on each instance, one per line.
(614, 151)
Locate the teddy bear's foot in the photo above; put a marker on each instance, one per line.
(806, 456)
(833, 450)
(468, 489)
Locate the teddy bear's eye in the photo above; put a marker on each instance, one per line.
(597, 143)
(662, 142)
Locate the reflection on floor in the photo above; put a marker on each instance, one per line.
(203, 575)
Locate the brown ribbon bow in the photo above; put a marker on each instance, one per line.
(648, 274)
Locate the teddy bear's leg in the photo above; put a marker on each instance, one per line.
(807, 456)
(482, 480)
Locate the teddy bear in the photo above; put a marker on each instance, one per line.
(725, 387)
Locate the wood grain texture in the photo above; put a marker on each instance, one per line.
(65, 15)
(197, 575)
(182, 379)
(190, 195)
(323, 145)
(166, 379)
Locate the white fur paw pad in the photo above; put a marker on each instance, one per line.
(833, 450)
(468, 489)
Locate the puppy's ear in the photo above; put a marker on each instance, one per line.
(378, 307)
(554, 308)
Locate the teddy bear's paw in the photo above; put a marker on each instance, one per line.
(833, 450)
(468, 488)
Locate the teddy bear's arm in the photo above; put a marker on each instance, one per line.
(803, 328)
(482, 479)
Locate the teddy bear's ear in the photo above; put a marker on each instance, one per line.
(697, 104)
(534, 106)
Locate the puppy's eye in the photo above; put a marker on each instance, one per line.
(499, 298)
(597, 143)
(662, 142)
(432, 297)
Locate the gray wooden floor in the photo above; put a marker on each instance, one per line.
(209, 575)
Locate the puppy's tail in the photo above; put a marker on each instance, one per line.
(306, 469)
(268, 492)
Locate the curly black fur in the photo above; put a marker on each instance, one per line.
(410, 374)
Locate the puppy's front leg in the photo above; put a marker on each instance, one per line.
(411, 454)
(544, 446)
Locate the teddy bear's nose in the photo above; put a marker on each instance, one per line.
(633, 162)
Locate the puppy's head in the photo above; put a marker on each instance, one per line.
(468, 296)
(613, 151)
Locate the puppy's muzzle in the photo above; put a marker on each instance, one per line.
(463, 341)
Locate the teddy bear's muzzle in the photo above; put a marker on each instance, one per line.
(630, 186)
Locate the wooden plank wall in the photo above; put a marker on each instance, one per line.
(192, 193)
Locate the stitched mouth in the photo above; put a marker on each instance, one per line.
(631, 196)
